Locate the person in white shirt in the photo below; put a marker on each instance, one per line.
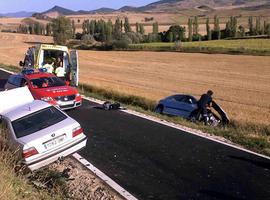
(60, 72)
(49, 67)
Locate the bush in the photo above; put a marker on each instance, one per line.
(87, 38)
(126, 38)
(152, 37)
(135, 38)
(121, 44)
(197, 37)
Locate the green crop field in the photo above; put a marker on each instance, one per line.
(246, 46)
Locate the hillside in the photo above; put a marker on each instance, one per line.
(168, 6)
(174, 5)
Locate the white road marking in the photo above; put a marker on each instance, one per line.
(10, 72)
(104, 177)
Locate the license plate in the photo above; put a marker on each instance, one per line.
(66, 103)
(54, 142)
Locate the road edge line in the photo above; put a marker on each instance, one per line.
(5, 70)
(120, 190)
(177, 126)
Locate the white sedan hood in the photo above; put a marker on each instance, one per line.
(14, 98)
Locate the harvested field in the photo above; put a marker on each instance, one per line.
(13, 46)
(241, 83)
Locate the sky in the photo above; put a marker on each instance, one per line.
(7, 6)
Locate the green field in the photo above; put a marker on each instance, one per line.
(241, 46)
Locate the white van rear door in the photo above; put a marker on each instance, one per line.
(74, 68)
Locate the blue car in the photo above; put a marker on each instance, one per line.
(177, 105)
(186, 106)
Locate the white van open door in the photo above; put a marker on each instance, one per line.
(74, 68)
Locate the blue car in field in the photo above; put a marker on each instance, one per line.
(177, 105)
(186, 106)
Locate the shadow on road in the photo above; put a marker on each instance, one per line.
(264, 165)
(219, 195)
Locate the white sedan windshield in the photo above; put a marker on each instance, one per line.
(37, 121)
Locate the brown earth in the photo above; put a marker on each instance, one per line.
(241, 83)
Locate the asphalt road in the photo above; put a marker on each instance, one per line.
(153, 161)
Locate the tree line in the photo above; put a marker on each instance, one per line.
(256, 26)
(63, 29)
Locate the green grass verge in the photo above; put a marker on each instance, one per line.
(252, 136)
(240, 46)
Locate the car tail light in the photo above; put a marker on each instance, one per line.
(29, 152)
(77, 131)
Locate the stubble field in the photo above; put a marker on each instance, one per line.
(241, 83)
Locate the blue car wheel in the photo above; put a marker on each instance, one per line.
(159, 109)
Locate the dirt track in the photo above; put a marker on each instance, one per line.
(241, 83)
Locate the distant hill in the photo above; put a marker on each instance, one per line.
(164, 6)
(128, 9)
(102, 10)
(167, 5)
(57, 10)
(18, 14)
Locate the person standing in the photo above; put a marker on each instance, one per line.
(204, 102)
(60, 70)
(60, 73)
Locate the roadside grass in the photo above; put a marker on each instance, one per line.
(13, 184)
(239, 46)
(253, 136)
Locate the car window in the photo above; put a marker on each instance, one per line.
(23, 82)
(15, 80)
(189, 100)
(11, 80)
(178, 98)
(37, 121)
(46, 82)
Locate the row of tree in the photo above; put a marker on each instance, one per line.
(30, 26)
(232, 30)
(107, 31)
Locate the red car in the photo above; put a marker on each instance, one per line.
(47, 87)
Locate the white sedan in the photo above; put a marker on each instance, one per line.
(39, 131)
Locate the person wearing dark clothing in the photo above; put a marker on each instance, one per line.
(203, 103)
